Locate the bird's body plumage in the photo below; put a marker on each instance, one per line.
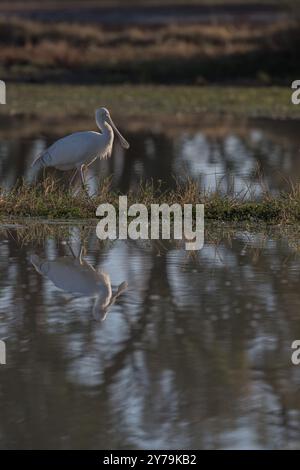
(80, 149)
(76, 149)
(76, 276)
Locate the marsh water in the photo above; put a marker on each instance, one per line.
(246, 157)
(195, 352)
(150, 14)
(145, 345)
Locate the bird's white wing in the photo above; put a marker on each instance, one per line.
(75, 149)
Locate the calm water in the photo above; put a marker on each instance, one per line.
(254, 155)
(195, 353)
(152, 14)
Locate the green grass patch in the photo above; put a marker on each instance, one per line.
(48, 200)
(53, 101)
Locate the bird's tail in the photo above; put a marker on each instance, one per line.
(41, 161)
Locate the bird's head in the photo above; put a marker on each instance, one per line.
(102, 115)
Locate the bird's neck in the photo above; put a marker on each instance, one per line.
(105, 128)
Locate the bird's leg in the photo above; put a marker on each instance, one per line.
(81, 255)
(84, 185)
(73, 177)
(82, 169)
(71, 250)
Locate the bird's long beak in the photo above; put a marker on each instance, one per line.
(123, 141)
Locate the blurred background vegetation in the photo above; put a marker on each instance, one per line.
(148, 42)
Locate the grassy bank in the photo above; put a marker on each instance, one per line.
(148, 102)
(141, 54)
(49, 200)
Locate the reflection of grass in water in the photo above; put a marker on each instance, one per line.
(48, 199)
(50, 101)
(256, 235)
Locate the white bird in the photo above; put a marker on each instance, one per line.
(80, 149)
(77, 276)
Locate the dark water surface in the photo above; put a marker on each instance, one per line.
(195, 353)
(254, 157)
(148, 14)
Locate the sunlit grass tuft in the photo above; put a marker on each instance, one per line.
(49, 200)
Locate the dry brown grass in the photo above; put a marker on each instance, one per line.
(55, 42)
(144, 53)
(49, 200)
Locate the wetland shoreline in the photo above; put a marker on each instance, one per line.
(47, 199)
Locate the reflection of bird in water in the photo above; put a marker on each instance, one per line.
(80, 149)
(77, 276)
